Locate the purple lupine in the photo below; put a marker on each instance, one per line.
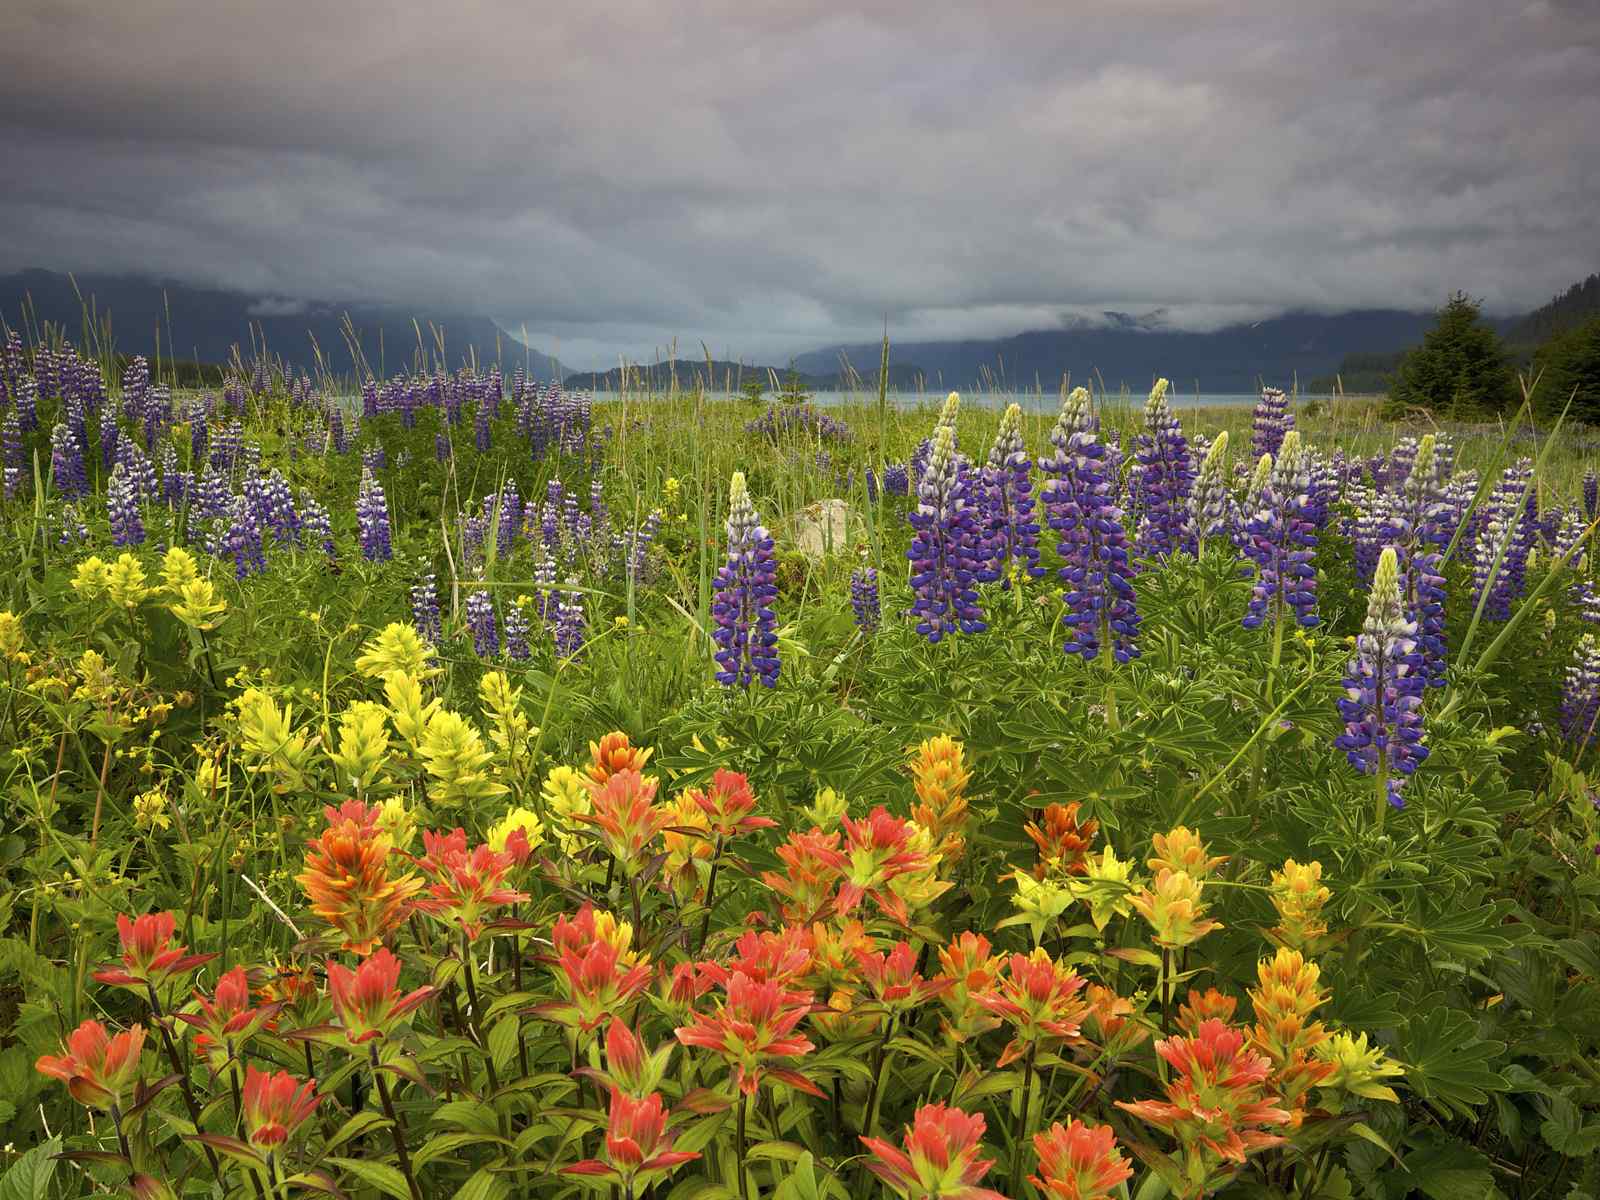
(241, 539)
(1591, 495)
(227, 446)
(506, 508)
(516, 623)
(122, 509)
(27, 404)
(175, 484)
(1093, 543)
(864, 599)
(372, 519)
(544, 578)
(1381, 706)
(896, 480)
(1580, 701)
(1165, 479)
(636, 546)
(13, 454)
(315, 523)
(73, 530)
(481, 435)
(425, 609)
(66, 462)
(804, 420)
(1211, 505)
(1500, 556)
(1270, 422)
(1416, 526)
(1282, 542)
(140, 470)
(1011, 535)
(135, 382)
(746, 585)
(569, 623)
(946, 551)
(375, 458)
(110, 434)
(481, 621)
(274, 506)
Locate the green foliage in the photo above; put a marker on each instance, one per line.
(1569, 368)
(1460, 370)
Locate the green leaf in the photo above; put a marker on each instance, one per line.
(29, 1177)
(382, 1176)
(362, 1122)
(1450, 1171)
(1447, 1063)
(502, 1040)
(484, 1185)
(1565, 1132)
(443, 1143)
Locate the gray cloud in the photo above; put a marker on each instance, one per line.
(771, 176)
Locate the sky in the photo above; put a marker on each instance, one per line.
(774, 177)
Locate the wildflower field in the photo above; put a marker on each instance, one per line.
(463, 788)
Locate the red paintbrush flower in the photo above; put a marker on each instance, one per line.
(347, 878)
(1078, 1162)
(275, 1106)
(628, 820)
(877, 850)
(466, 883)
(596, 969)
(940, 1160)
(971, 970)
(782, 955)
(638, 1146)
(812, 865)
(227, 1019)
(367, 1002)
(752, 1028)
(1039, 999)
(97, 1068)
(149, 958)
(1217, 1104)
(893, 977)
(727, 804)
(1063, 840)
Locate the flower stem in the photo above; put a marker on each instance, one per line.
(711, 893)
(1022, 1121)
(744, 1182)
(183, 1077)
(396, 1130)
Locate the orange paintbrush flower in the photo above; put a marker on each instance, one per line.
(1217, 1107)
(940, 1159)
(877, 849)
(367, 1003)
(638, 1146)
(227, 1019)
(1209, 1005)
(812, 866)
(97, 1068)
(753, 1028)
(347, 878)
(1063, 840)
(1078, 1162)
(893, 980)
(1172, 906)
(940, 776)
(595, 968)
(1181, 849)
(971, 970)
(627, 819)
(149, 959)
(275, 1106)
(614, 753)
(728, 803)
(1284, 1001)
(1039, 999)
(466, 884)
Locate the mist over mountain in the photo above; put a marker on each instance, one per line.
(1131, 351)
(209, 324)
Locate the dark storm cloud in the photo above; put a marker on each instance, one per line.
(773, 176)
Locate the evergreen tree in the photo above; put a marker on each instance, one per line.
(1461, 369)
(1569, 367)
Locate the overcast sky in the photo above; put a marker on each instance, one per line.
(776, 176)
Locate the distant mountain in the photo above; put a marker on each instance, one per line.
(208, 323)
(729, 376)
(1132, 351)
(1566, 311)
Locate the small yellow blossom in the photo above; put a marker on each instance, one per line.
(566, 798)
(150, 810)
(398, 647)
(518, 818)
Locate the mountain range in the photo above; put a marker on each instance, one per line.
(209, 324)
(1120, 351)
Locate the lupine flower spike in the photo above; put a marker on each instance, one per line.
(746, 633)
